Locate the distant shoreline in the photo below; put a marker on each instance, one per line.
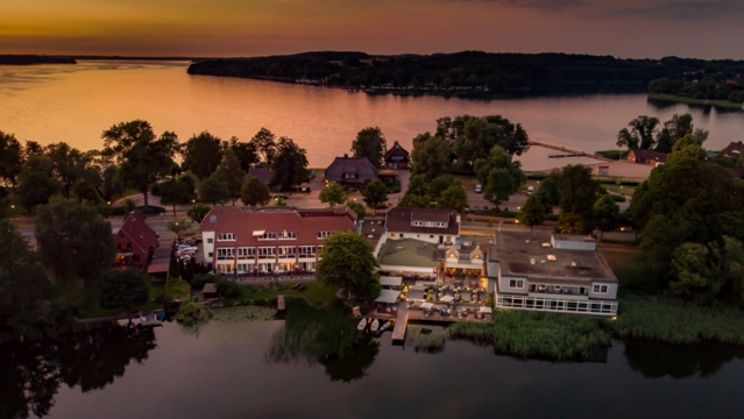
(719, 104)
(35, 59)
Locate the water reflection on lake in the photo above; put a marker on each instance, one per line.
(223, 371)
(75, 103)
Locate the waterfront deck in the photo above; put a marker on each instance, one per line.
(401, 324)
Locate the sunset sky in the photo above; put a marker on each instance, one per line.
(630, 28)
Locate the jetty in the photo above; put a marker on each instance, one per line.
(401, 324)
(567, 151)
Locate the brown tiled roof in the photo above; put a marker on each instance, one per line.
(734, 149)
(397, 150)
(399, 219)
(360, 169)
(649, 155)
(139, 233)
(305, 223)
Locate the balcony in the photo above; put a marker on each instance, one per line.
(558, 304)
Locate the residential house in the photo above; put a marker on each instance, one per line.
(397, 157)
(733, 150)
(351, 171)
(135, 242)
(646, 157)
(464, 258)
(433, 225)
(247, 241)
(560, 273)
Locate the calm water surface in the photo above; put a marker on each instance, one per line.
(75, 103)
(223, 371)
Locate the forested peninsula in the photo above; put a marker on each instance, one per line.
(35, 59)
(466, 74)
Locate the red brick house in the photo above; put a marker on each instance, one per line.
(646, 157)
(135, 241)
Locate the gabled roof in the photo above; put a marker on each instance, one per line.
(351, 169)
(396, 150)
(734, 149)
(400, 219)
(139, 233)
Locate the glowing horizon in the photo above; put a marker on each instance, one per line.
(634, 28)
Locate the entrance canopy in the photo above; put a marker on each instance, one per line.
(388, 297)
(391, 281)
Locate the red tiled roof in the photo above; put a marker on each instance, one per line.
(734, 149)
(139, 233)
(305, 223)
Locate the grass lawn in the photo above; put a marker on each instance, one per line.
(317, 293)
(619, 189)
(627, 264)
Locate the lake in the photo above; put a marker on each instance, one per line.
(223, 371)
(75, 103)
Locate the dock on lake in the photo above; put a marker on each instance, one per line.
(401, 323)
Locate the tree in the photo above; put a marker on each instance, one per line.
(198, 212)
(640, 135)
(246, 152)
(202, 154)
(11, 158)
(333, 194)
(83, 190)
(290, 165)
(74, 240)
(27, 306)
(231, 174)
(143, 157)
(178, 227)
(499, 175)
(358, 209)
(570, 223)
(254, 192)
(550, 191)
(606, 213)
(533, 212)
(430, 155)
(578, 192)
(347, 262)
(454, 198)
(697, 269)
(69, 165)
(36, 185)
(125, 289)
(375, 193)
(264, 142)
(675, 129)
(213, 190)
(177, 191)
(370, 143)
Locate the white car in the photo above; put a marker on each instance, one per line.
(479, 188)
(530, 190)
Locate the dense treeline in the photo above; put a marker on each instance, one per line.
(708, 88)
(468, 73)
(35, 59)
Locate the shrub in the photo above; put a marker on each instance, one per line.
(228, 289)
(198, 281)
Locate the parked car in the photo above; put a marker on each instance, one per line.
(281, 195)
(479, 188)
(530, 190)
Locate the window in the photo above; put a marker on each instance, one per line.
(268, 235)
(289, 235)
(227, 237)
(210, 240)
(306, 251)
(600, 289)
(225, 253)
(516, 283)
(286, 251)
(246, 252)
(266, 251)
(324, 234)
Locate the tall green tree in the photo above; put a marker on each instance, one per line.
(533, 212)
(125, 289)
(197, 212)
(499, 175)
(290, 165)
(454, 198)
(578, 192)
(28, 309)
(70, 164)
(36, 185)
(178, 191)
(213, 190)
(333, 194)
(550, 191)
(358, 209)
(606, 213)
(11, 158)
(640, 133)
(675, 129)
(246, 152)
(375, 193)
(347, 262)
(430, 155)
(264, 142)
(74, 240)
(231, 174)
(202, 154)
(143, 158)
(254, 192)
(370, 143)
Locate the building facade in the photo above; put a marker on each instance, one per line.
(135, 241)
(560, 274)
(244, 241)
(432, 225)
(397, 157)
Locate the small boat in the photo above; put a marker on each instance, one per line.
(384, 326)
(362, 324)
(375, 326)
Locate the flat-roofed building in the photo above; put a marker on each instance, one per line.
(558, 273)
(247, 241)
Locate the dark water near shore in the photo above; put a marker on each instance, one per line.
(75, 103)
(224, 371)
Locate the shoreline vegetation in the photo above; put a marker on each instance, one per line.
(35, 59)
(472, 74)
(719, 104)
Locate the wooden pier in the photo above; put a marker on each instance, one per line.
(569, 152)
(401, 324)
